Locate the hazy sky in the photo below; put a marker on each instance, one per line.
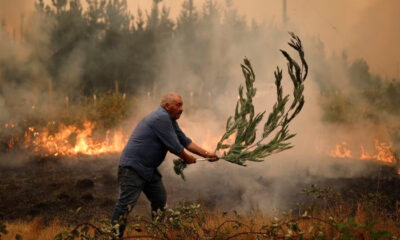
(364, 28)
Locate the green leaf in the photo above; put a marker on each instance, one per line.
(380, 234)
(75, 233)
(3, 229)
(85, 229)
(224, 146)
(58, 237)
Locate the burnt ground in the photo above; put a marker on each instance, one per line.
(54, 188)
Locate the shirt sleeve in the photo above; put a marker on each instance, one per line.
(165, 131)
(185, 141)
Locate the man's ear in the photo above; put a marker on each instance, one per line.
(166, 106)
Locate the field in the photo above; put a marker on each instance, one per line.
(77, 76)
(57, 194)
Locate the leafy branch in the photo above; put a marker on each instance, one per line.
(243, 125)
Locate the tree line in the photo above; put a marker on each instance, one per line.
(103, 46)
(91, 48)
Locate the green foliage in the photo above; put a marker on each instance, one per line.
(341, 218)
(89, 231)
(3, 232)
(179, 166)
(18, 237)
(109, 109)
(184, 219)
(243, 125)
(106, 109)
(190, 221)
(365, 99)
(3, 229)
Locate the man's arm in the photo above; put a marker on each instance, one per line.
(191, 146)
(187, 157)
(194, 148)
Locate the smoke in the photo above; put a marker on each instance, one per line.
(204, 67)
(339, 24)
(376, 28)
(13, 16)
(274, 183)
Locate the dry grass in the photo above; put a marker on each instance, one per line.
(221, 222)
(33, 230)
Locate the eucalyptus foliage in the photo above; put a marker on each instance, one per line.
(242, 126)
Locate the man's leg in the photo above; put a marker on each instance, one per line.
(130, 187)
(155, 192)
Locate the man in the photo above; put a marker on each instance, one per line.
(154, 135)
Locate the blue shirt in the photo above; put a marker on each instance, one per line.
(154, 135)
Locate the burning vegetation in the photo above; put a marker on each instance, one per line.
(71, 140)
(92, 129)
(382, 152)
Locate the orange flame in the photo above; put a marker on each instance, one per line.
(211, 140)
(341, 151)
(71, 140)
(383, 152)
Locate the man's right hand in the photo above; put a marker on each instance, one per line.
(189, 159)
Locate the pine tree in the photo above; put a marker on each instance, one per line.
(153, 18)
(139, 21)
(188, 16)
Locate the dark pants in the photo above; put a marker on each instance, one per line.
(130, 187)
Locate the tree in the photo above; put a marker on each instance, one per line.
(188, 18)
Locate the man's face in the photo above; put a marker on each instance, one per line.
(175, 109)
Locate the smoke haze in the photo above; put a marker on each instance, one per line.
(364, 29)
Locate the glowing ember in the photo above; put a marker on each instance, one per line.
(71, 140)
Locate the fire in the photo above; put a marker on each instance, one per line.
(382, 152)
(341, 151)
(9, 125)
(211, 140)
(71, 140)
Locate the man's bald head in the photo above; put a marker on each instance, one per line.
(169, 98)
(173, 103)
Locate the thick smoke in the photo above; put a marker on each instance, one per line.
(198, 56)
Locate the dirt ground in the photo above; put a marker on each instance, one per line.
(55, 188)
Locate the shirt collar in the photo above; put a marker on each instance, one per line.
(163, 109)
